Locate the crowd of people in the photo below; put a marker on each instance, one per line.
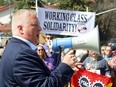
(27, 63)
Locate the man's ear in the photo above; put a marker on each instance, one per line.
(20, 29)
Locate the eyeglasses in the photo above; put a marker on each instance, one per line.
(40, 50)
(102, 49)
(49, 38)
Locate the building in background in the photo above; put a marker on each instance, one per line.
(5, 24)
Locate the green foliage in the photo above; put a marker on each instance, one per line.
(22, 4)
(50, 1)
(6, 2)
(18, 5)
(70, 4)
(1, 2)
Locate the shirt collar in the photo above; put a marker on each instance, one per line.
(28, 42)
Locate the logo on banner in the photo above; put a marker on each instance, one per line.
(84, 81)
(82, 28)
(84, 78)
(97, 84)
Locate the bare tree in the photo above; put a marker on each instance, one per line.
(106, 20)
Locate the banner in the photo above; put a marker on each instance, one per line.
(62, 22)
(84, 78)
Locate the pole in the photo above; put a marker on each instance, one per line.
(87, 9)
(36, 6)
(105, 11)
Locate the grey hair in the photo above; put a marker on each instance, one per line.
(20, 17)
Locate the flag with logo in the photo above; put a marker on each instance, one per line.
(84, 78)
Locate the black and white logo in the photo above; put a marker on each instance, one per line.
(97, 84)
(84, 81)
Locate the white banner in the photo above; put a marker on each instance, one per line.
(63, 22)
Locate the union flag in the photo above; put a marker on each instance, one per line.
(84, 78)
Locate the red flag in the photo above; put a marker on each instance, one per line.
(84, 78)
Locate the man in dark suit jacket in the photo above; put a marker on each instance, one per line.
(20, 65)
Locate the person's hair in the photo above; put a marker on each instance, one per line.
(103, 47)
(45, 54)
(20, 17)
(109, 46)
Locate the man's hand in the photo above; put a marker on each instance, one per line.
(71, 60)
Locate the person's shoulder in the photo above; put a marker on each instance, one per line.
(100, 57)
(45, 45)
(27, 49)
(27, 53)
(87, 59)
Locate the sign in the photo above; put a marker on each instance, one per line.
(64, 22)
(84, 78)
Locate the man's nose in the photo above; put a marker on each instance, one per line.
(39, 28)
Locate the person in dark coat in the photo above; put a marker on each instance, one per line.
(20, 65)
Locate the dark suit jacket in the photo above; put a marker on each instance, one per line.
(20, 66)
